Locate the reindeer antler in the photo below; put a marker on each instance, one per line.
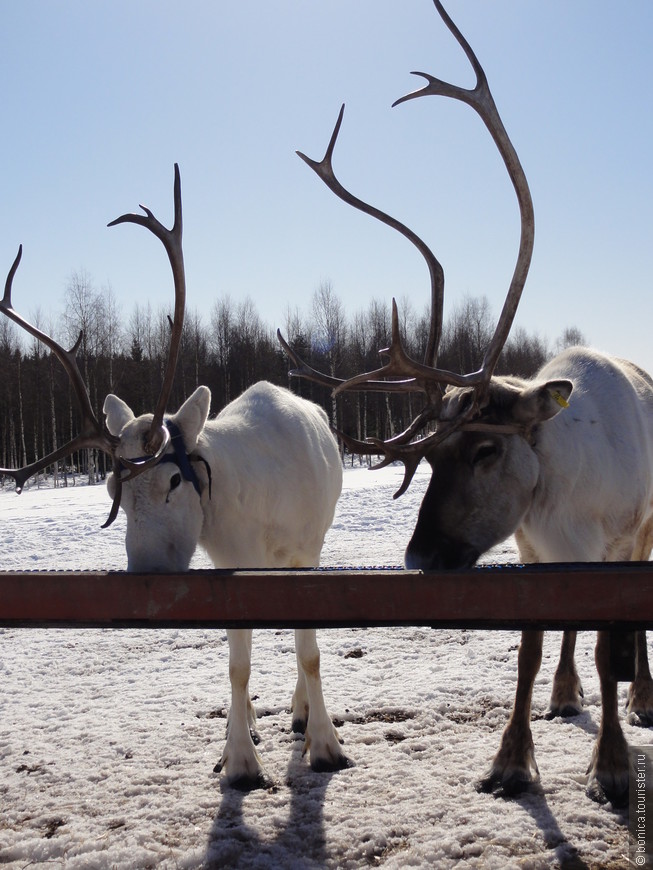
(92, 433)
(401, 373)
(171, 239)
(481, 100)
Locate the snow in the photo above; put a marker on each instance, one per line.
(108, 738)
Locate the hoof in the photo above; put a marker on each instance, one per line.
(640, 715)
(608, 778)
(247, 784)
(247, 775)
(602, 794)
(567, 711)
(514, 769)
(506, 786)
(566, 697)
(299, 725)
(640, 718)
(324, 765)
(639, 708)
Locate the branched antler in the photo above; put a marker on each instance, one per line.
(481, 100)
(92, 433)
(401, 373)
(172, 242)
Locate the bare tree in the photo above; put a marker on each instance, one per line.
(81, 319)
(571, 337)
(361, 352)
(467, 334)
(379, 318)
(220, 339)
(329, 332)
(240, 349)
(110, 333)
(194, 352)
(523, 354)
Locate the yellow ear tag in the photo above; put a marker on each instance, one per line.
(559, 398)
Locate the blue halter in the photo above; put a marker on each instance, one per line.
(180, 457)
(182, 460)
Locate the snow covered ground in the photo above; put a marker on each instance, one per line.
(108, 738)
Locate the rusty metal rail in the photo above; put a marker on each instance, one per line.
(583, 596)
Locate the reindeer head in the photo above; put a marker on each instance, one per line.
(163, 507)
(483, 476)
(144, 444)
(473, 428)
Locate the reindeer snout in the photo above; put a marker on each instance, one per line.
(443, 554)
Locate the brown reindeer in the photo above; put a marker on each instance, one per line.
(563, 461)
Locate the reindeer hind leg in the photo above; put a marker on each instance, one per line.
(567, 692)
(640, 692)
(608, 770)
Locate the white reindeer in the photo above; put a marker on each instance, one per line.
(256, 487)
(274, 474)
(576, 485)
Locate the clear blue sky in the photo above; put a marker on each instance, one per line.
(101, 98)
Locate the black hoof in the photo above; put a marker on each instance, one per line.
(247, 783)
(299, 726)
(508, 787)
(566, 712)
(601, 795)
(323, 765)
(640, 720)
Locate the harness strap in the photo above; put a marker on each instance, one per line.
(181, 458)
(207, 467)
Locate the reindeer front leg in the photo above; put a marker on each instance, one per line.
(244, 768)
(640, 693)
(608, 771)
(514, 767)
(309, 712)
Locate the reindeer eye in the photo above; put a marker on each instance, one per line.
(175, 480)
(485, 453)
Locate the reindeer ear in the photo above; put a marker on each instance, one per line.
(118, 414)
(542, 401)
(192, 416)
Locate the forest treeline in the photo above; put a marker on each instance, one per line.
(227, 352)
